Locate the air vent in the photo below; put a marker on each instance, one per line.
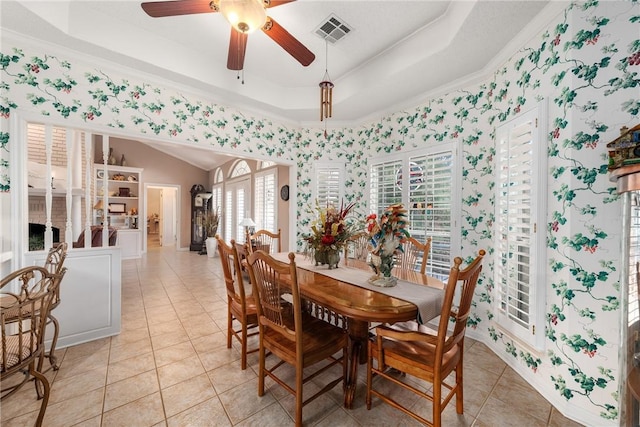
(333, 29)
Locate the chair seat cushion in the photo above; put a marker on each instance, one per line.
(14, 352)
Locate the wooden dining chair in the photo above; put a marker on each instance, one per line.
(240, 307)
(412, 251)
(291, 334)
(54, 263)
(265, 240)
(428, 355)
(25, 301)
(356, 250)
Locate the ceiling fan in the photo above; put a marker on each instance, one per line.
(245, 16)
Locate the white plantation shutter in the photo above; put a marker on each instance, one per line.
(234, 210)
(438, 194)
(329, 179)
(228, 216)
(216, 202)
(520, 227)
(384, 186)
(240, 235)
(427, 192)
(265, 200)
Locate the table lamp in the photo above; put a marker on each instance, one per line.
(99, 208)
(248, 225)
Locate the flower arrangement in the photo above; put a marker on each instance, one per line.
(210, 223)
(330, 231)
(387, 236)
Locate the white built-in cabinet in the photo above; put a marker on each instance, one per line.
(118, 198)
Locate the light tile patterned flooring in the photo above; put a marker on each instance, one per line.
(170, 367)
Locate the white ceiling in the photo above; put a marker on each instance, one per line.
(398, 54)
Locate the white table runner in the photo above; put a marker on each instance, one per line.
(427, 299)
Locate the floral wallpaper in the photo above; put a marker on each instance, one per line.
(586, 64)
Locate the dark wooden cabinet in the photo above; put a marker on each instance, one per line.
(200, 200)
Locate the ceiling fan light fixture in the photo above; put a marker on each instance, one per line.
(245, 16)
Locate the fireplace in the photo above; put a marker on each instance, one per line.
(36, 236)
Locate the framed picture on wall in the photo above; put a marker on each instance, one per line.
(117, 208)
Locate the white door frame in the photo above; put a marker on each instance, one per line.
(176, 208)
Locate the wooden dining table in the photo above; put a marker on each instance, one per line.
(361, 306)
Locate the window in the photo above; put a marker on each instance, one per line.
(237, 201)
(216, 195)
(520, 242)
(218, 176)
(427, 192)
(265, 200)
(239, 169)
(328, 180)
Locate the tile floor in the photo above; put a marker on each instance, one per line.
(170, 367)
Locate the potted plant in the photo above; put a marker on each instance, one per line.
(210, 222)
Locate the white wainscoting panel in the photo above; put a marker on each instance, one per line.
(90, 295)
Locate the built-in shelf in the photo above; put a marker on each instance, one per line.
(122, 209)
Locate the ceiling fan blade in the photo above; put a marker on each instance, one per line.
(288, 42)
(275, 3)
(237, 49)
(158, 9)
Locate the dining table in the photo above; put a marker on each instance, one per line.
(346, 291)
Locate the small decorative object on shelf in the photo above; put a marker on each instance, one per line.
(625, 150)
(112, 157)
(330, 231)
(387, 236)
(123, 161)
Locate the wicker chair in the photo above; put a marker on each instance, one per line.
(25, 302)
(427, 355)
(291, 334)
(54, 264)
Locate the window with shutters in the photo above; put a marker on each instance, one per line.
(216, 191)
(265, 200)
(520, 233)
(237, 201)
(329, 178)
(428, 193)
(218, 176)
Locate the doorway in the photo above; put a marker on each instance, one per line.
(161, 215)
